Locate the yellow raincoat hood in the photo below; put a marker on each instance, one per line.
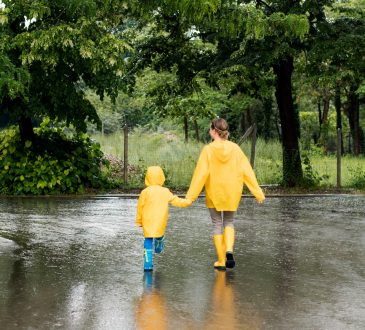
(222, 151)
(154, 176)
(153, 202)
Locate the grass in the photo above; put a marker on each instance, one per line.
(178, 158)
(352, 169)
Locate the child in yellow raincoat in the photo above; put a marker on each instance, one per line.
(223, 169)
(152, 212)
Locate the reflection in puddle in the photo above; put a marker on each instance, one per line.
(151, 310)
(224, 313)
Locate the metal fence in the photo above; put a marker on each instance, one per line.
(179, 164)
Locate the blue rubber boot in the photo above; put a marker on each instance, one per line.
(147, 254)
(159, 244)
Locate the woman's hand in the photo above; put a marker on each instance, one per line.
(260, 201)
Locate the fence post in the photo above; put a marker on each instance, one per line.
(125, 154)
(339, 158)
(253, 146)
(247, 133)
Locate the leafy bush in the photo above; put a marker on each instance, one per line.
(115, 171)
(357, 179)
(325, 137)
(53, 163)
(311, 178)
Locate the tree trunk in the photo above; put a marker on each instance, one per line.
(353, 115)
(26, 129)
(277, 126)
(196, 127)
(246, 120)
(292, 166)
(186, 129)
(317, 134)
(268, 114)
(319, 113)
(326, 109)
(324, 121)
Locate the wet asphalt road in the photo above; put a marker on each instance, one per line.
(76, 263)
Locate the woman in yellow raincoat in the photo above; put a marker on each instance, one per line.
(152, 212)
(223, 169)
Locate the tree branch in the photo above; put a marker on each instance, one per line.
(261, 2)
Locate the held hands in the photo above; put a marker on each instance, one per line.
(186, 202)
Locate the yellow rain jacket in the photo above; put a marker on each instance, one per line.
(153, 202)
(223, 168)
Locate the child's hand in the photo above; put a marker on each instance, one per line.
(180, 202)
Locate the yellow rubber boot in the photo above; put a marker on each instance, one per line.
(219, 246)
(229, 241)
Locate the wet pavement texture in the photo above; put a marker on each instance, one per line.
(77, 264)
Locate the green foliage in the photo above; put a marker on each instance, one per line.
(357, 179)
(111, 118)
(3, 13)
(115, 171)
(310, 127)
(347, 8)
(165, 98)
(277, 24)
(13, 81)
(311, 177)
(52, 164)
(178, 159)
(137, 175)
(148, 148)
(51, 50)
(361, 89)
(191, 10)
(197, 59)
(132, 109)
(335, 60)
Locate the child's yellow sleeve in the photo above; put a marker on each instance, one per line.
(140, 209)
(179, 202)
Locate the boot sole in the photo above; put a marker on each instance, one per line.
(220, 267)
(230, 263)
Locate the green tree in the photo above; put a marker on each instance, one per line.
(51, 52)
(337, 60)
(278, 50)
(167, 45)
(264, 40)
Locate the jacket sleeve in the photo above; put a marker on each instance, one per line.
(249, 179)
(179, 202)
(140, 209)
(200, 176)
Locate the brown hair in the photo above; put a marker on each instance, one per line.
(221, 127)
